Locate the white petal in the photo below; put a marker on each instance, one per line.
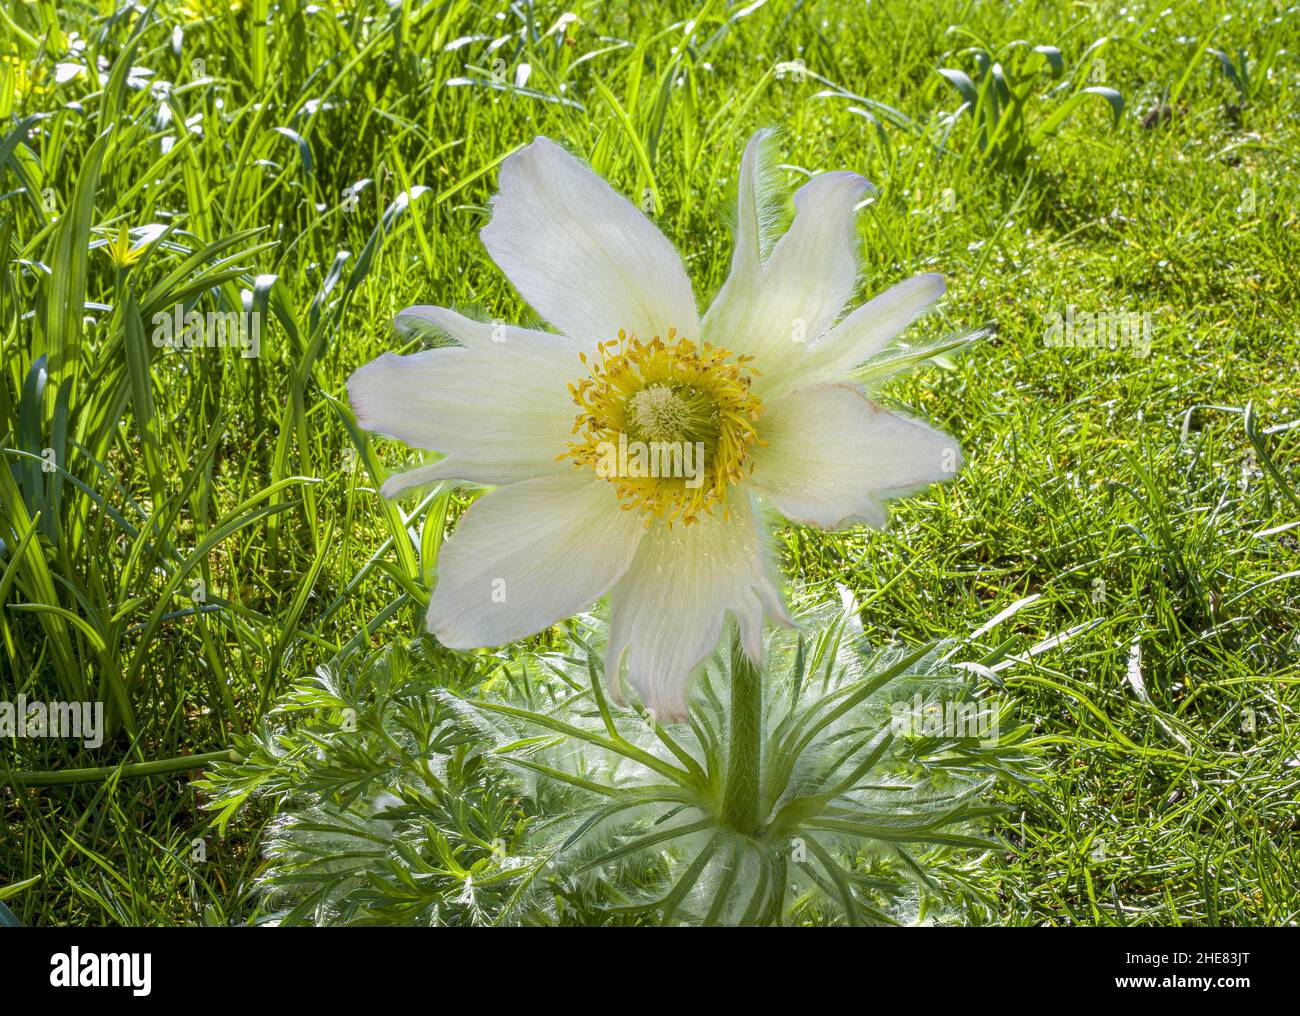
(418, 477)
(528, 555)
(667, 612)
(429, 320)
(498, 406)
(859, 336)
(833, 457)
(584, 257)
(757, 192)
(804, 284)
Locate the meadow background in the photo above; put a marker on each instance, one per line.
(185, 533)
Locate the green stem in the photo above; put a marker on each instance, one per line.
(775, 912)
(60, 777)
(740, 802)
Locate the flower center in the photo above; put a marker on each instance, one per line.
(668, 422)
(663, 413)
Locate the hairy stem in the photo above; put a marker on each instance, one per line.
(740, 803)
(161, 767)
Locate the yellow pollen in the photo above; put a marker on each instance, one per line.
(670, 423)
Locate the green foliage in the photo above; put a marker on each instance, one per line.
(1005, 86)
(385, 809)
(417, 787)
(1249, 75)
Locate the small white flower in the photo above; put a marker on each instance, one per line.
(561, 422)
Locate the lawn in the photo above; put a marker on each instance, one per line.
(186, 534)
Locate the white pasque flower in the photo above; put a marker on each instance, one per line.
(590, 433)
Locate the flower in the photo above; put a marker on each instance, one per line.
(120, 251)
(639, 448)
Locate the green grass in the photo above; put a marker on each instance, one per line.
(210, 529)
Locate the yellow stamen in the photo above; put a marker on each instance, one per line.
(672, 402)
